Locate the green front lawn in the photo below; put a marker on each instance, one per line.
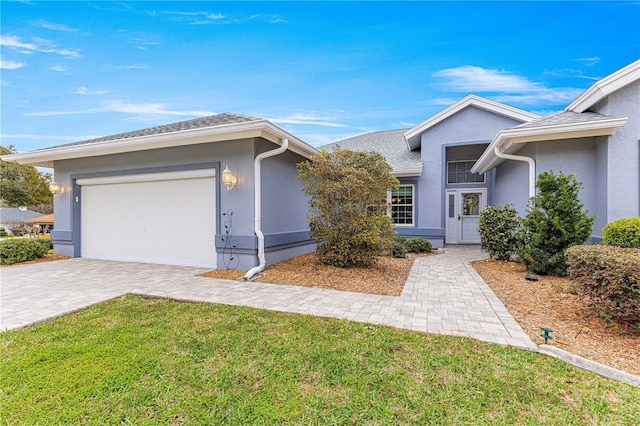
(154, 361)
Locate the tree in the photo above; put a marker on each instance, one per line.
(348, 208)
(554, 222)
(23, 185)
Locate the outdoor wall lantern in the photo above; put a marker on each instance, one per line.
(228, 178)
(55, 188)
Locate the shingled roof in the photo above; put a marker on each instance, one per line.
(196, 123)
(564, 117)
(391, 144)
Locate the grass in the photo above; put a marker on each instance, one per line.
(157, 361)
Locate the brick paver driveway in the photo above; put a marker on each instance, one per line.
(443, 295)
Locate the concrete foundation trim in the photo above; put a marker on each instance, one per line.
(593, 366)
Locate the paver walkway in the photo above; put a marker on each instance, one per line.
(443, 295)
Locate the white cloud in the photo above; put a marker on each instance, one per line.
(55, 27)
(43, 46)
(85, 91)
(313, 118)
(58, 68)
(132, 67)
(135, 109)
(569, 72)
(11, 65)
(504, 86)
(195, 18)
(12, 41)
(468, 78)
(589, 62)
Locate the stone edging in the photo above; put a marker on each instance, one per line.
(586, 364)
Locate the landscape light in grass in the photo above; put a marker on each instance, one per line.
(546, 336)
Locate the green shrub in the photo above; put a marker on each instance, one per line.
(622, 232)
(609, 277)
(45, 242)
(555, 221)
(3, 232)
(20, 250)
(347, 208)
(400, 239)
(418, 245)
(498, 227)
(399, 250)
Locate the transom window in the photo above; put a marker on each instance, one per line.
(460, 172)
(402, 205)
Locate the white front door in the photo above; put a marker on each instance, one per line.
(462, 209)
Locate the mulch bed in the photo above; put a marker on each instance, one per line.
(549, 303)
(387, 277)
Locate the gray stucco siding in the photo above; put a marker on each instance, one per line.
(238, 155)
(623, 185)
(464, 134)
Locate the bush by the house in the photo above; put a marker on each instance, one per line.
(610, 277)
(45, 242)
(498, 227)
(418, 245)
(622, 232)
(348, 213)
(399, 249)
(3, 232)
(20, 250)
(554, 222)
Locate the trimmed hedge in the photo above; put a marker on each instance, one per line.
(498, 227)
(418, 245)
(609, 277)
(622, 232)
(20, 250)
(399, 250)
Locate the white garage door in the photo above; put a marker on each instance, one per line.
(166, 218)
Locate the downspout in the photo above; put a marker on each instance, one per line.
(532, 168)
(258, 207)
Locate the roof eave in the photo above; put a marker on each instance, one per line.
(605, 86)
(411, 172)
(512, 140)
(258, 128)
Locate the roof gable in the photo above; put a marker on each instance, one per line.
(412, 135)
(605, 86)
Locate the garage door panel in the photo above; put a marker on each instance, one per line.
(167, 221)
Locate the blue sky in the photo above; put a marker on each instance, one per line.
(322, 70)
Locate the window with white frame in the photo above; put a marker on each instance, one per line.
(460, 172)
(402, 205)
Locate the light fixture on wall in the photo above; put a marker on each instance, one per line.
(228, 178)
(55, 188)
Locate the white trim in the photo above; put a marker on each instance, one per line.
(512, 140)
(407, 172)
(413, 206)
(470, 100)
(605, 86)
(147, 177)
(252, 129)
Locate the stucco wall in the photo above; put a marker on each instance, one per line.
(238, 155)
(471, 125)
(623, 186)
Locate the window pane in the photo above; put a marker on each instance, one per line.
(402, 205)
(460, 172)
